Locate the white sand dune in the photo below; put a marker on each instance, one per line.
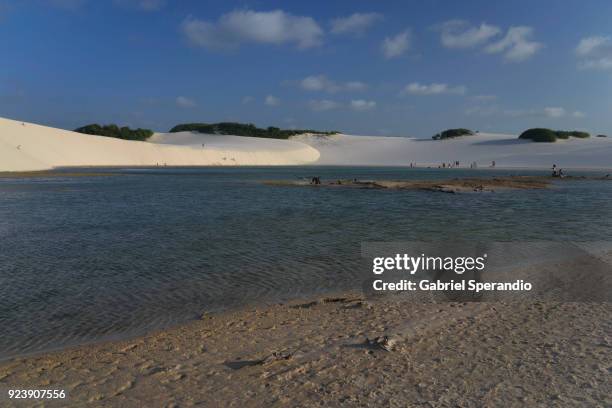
(25, 146)
(483, 148)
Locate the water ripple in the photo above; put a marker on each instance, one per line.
(90, 258)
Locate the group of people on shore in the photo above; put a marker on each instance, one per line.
(449, 165)
(457, 164)
(556, 171)
(315, 180)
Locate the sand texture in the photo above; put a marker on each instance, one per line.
(346, 351)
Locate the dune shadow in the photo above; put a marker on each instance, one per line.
(502, 142)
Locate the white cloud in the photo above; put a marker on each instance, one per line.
(322, 83)
(146, 5)
(516, 44)
(595, 52)
(362, 105)
(416, 88)
(458, 34)
(256, 27)
(323, 105)
(356, 23)
(397, 45)
(320, 105)
(554, 112)
(271, 100)
(594, 46)
(318, 83)
(185, 102)
(602, 63)
(548, 112)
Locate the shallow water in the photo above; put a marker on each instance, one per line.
(90, 258)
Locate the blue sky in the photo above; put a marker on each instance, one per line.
(381, 68)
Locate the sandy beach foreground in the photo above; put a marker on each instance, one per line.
(344, 351)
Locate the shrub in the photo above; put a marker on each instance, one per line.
(451, 133)
(243, 129)
(539, 135)
(562, 134)
(547, 135)
(193, 127)
(113, 130)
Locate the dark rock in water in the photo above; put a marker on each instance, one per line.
(602, 135)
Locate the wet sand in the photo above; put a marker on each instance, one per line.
(457, 185)
(51, 174)
(345, 351)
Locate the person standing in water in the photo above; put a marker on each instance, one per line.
(554, 171)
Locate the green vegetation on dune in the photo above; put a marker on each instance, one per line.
(452, 133)
(564, 134)
(539, 135)
(113, 130)
(543, 135)
(243, 129)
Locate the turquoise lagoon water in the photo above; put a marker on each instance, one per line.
(90, 258)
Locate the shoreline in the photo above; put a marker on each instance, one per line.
(457, 185)
(133, 335)
(65, 171)
(324, 349)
